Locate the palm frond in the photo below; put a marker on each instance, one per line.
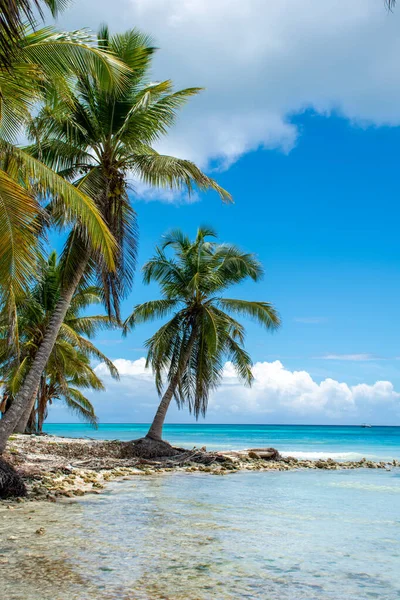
(18, 237)
(263, 312)
(164, 171)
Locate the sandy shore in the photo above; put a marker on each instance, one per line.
(57, 467)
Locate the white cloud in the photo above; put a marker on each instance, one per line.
(261, 61)
(350, 357)
(278, 395)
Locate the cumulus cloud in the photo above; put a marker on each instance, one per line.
(262, 61)
(278, 395)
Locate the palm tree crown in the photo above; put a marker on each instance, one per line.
(189, 350)
(101, 141)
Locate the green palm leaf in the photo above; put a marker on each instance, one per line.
(18, 237)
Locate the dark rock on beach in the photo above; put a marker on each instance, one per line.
(11, 484)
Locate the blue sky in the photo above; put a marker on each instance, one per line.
(316, 198)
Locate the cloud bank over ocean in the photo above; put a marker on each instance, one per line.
(278, 395)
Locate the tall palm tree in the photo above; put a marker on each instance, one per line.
(103, 143)
(44, 63)
(188, 352)
(68, 367)
(100, 142)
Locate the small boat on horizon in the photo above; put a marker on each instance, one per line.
(366, 425)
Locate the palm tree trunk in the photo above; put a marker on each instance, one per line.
(155, 431)
(31, 425)
(23, 422)
(42, 404)
(32, 379)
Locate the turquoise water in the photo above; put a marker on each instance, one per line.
(295, 535)
(302, 441)
(306, 535)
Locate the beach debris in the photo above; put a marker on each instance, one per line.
(40, 531)
(264, 453)
(55, 468)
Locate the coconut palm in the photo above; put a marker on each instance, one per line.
(101, 142)
(43, 63)
(187, 354)
(68, 367)
(66, 375)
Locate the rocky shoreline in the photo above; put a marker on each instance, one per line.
(55, 467)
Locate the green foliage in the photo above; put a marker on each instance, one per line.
(191, 348)
(14, 14)
(68, 369)
(101, 141)
(40, 63)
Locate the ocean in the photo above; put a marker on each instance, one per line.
(300, 441)
(295, 535)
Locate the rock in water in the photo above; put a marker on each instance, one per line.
(11, 484)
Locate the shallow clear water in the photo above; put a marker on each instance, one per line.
(302, 441)
(273, 536)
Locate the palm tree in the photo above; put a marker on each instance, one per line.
(100, 142)
(64, 379)
(43, 63)
(189, 351)
(40, 64)
(68, 367)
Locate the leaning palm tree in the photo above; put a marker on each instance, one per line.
(69, 361)
(100, 142)
(44, 63)
(187, 354)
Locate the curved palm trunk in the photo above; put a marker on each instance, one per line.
(32, 380)
(26, 415)
(155, 431)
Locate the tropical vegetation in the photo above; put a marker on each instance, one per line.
(34, 63)
(95, 141)
(68, 371)
(93, 118)
(188, 352)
